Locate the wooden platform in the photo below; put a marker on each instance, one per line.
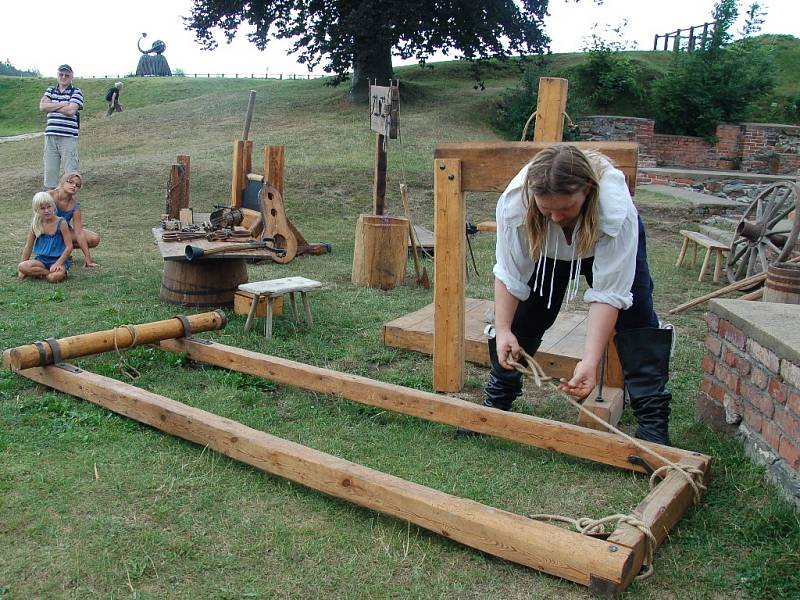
(561, 349)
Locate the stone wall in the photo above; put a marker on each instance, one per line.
(751, 383)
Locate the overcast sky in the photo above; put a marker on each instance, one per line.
(99, 38)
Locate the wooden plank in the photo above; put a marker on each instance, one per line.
(551, 105)
(23, 357)
(489, 166)
(566, 438)
(177, 250)
(610, 409)
(274, 166)
(544, 547)
(449, 276)
(237, 172)
(247, 163)
(560, 351)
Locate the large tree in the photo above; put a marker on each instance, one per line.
(362, 35)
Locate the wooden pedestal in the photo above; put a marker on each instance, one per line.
(202, 283)
(379, 258)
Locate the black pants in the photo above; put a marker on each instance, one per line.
(533, 318)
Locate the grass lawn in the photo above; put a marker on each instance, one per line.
(169, 519)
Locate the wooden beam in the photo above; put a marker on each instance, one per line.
(544, 547)
(551, 106)
(274, 166)
(23, 357)
(489, 166)
(238, 174)
(565, 438)
(609, 409)
(379, 180)
(449, 276)
(185, 161)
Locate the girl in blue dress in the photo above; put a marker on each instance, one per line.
(49, 241)
(69, 209)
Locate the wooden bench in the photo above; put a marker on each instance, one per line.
(276, 288)
(710, 244)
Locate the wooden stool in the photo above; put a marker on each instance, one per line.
(709, 244)
(275, 288)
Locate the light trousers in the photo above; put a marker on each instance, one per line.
(59, 150)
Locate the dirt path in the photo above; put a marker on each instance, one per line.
(22, 136)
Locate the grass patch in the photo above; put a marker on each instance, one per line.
(167, 518)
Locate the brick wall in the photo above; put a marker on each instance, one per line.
(750, 389)
(752, 147)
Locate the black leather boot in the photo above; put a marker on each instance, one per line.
(644, 354)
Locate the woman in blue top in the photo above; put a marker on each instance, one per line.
(49, 241)
(569, 214)
(70, 210)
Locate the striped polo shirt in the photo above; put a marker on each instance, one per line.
(57, 123)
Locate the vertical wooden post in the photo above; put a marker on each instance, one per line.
(274, 163)
(379, 184)
(183, 159)
(677, 45)
(550, 108)
(247, 163)
(237, 170)
(175, 192)
(655, 43)
(449, 277)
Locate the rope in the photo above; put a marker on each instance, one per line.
(585, 525)
(527, 123)
(123, 366)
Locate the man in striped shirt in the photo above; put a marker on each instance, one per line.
(61, 103)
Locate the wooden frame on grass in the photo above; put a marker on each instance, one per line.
(607, 567)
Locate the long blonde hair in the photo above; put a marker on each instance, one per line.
(564, 169)
(39, 200)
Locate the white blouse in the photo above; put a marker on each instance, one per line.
(614, 252)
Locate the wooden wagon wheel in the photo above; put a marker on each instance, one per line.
(764, 235)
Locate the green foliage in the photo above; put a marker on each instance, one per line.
(6, 68)
(714, 85)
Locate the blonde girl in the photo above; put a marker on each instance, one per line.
(69, 209)
(50, 242)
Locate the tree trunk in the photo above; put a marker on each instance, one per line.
(372, 60)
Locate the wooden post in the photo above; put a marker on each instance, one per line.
(449, 276)
(248, 117)
(237, 169)
(175, 190)
(551, 105)
(379, 183)
(274, 165)
(23, 357)
(184, 160)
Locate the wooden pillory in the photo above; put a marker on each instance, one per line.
(606, 566)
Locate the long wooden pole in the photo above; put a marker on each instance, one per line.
(598, 446)
(23, 357)
(248, 117)
(748, 282)
(592, 562)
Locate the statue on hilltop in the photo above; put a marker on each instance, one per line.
(153, 63)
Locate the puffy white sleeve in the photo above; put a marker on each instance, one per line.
(513, 265)
(615, 253)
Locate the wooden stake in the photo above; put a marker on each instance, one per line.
(248, 117)
(599, 446)
(185, 161)
(554, 550)
(23, 357)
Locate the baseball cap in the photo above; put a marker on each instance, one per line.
(65, 67)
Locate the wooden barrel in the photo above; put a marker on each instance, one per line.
(782, 284)
(379, 258)
(203, 283)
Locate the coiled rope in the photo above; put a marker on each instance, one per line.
(585, 525)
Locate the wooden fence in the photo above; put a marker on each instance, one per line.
(696, 37)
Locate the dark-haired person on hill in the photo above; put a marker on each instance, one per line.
(61, 102)
(565, 215)
(112, 97)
